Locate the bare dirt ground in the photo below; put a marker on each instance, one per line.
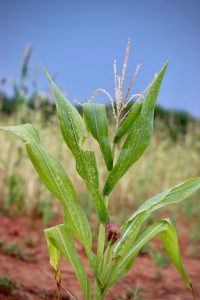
(29, 268)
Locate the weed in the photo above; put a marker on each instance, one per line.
(132, 294)
(1, 243)
(7, 285)
(30, 241)
(16, 251)
(12, 250)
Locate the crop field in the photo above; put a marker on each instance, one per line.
(27, 208)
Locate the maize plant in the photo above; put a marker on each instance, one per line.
(118, 245)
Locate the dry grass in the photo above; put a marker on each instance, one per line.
(163, 165)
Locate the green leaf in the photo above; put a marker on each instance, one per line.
(138, 137)
(170, 242)
(128, 121)
(129, 235)
(87, 168)
(96, 120)
(74, 132)
(55, 257)
(26, 132)
(56, 180)
(60, 237)
(168, 236)
(171, 196)
(72, 125)
(124, 263)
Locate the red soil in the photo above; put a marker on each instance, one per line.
(30, 272)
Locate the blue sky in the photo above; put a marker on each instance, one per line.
(78, 40)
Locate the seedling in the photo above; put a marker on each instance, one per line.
(12, 250)
(16, 251)
(7, 285)
(117, 246)
(31, 241)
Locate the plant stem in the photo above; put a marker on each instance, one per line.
(97, 292)
(101, 242)
(100, 252)
(106, 266)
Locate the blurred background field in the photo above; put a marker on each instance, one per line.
(172, 157)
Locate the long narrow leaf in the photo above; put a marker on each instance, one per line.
(138, 137)
(170, 242)
(55, 257)
(86, 167)
(128, 122)
(74, 132)
(129, 236)
(124, 263)
(168, 236)
(56, 180)
(26, 132)
(171, 196)
(60, 237)
(96, 120)
(72, 125)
